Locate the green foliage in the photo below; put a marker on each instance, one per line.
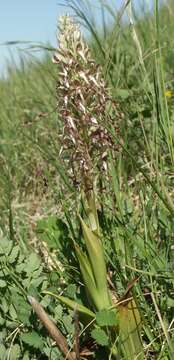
(32, 339)
(85, 314)
(21, 335)
(100, 336)
(130, 330)
(14, 352)
(134, 206)
(53, 231)
(106, 318)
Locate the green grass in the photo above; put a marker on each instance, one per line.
(38, 202)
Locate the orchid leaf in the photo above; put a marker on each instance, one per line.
(130, 329)
(85, 314)
(96, 258)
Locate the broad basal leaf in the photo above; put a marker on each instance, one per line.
(130, 330)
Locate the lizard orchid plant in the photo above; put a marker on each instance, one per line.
(84, 107)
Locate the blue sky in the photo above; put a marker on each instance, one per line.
(33, 20)
(27, 20)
